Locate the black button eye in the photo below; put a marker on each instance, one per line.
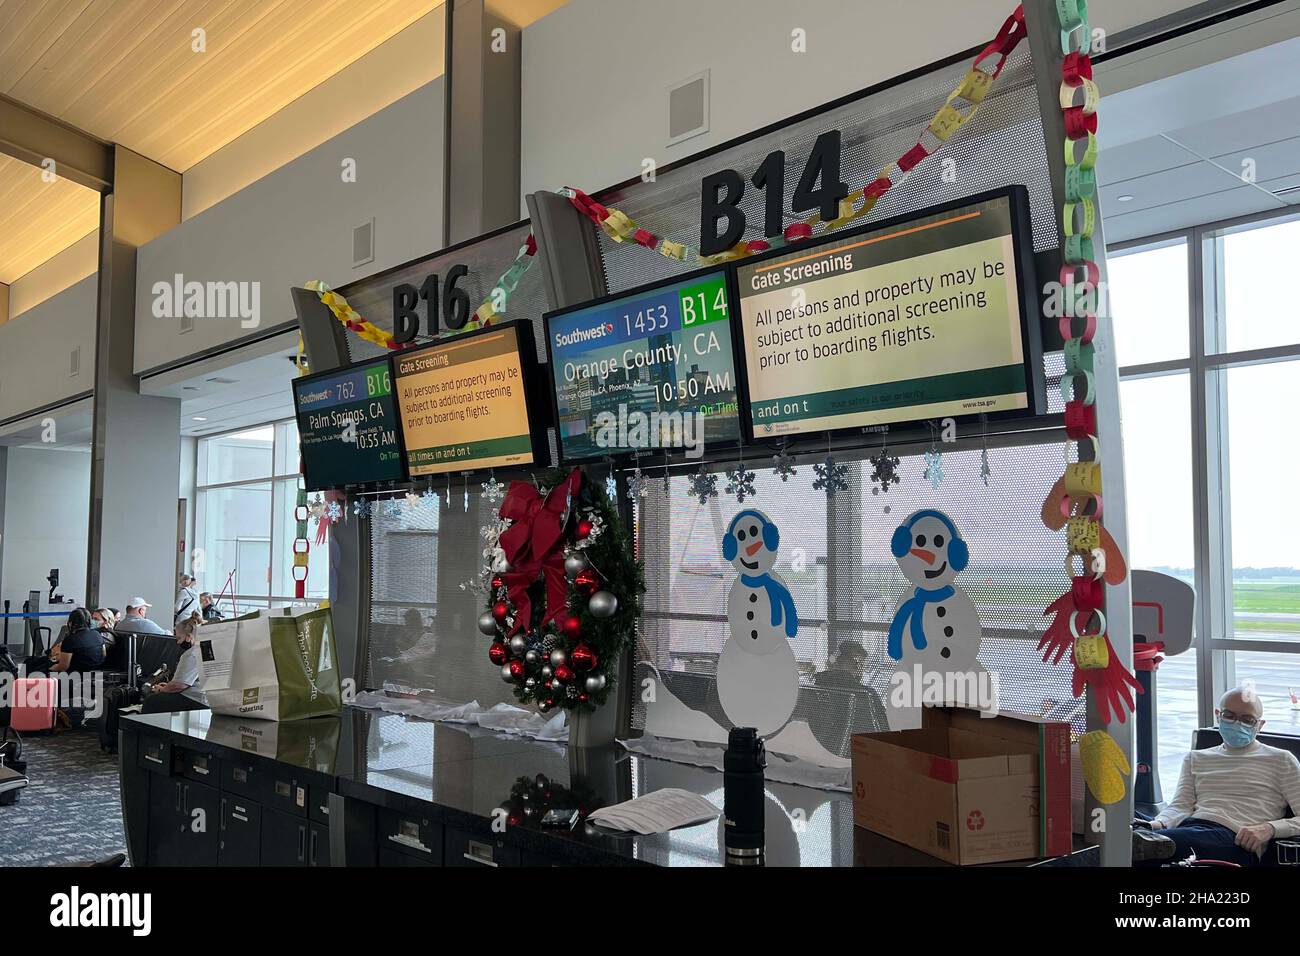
(938, 541)
(920, 541)
(753, 530)
(740, 535)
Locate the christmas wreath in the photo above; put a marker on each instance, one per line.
(532, 798)
(564, 591)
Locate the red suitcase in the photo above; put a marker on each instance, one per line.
(33, 704)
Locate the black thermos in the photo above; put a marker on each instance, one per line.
(743, 796)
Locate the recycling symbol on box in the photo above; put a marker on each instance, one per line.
(974, 820)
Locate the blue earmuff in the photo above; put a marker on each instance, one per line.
(901, 542)
(771, 536)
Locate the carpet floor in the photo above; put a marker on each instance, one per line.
(71, 813)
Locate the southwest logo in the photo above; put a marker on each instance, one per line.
(584, 335)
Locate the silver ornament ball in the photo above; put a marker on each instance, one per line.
(532, 658)
(487, 624)
(602, 604)
(518, 645)
(546, 670)
(594, 683)
(558, 658)
(506, 675)
(574, 565)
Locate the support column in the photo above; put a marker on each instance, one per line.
(135, 460)
(483, 83)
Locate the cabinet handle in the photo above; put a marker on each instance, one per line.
(302, 843)
(222, 825)
(313, 848)
(178, 798)
(185, 801)
(480, 853)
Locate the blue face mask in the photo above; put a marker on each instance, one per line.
(1236, 734)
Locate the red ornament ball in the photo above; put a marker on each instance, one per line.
(497, 653)
(583, 698)
(564, 673)
(584, 529)
(570, 625)
(500, 610)
(497, 582)
(583, 658)
(587, 582)
(517, 669)
(548, 683)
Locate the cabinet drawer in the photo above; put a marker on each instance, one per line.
(462, 848)
(389, 857)
(241, 832)
(155, 756)
(285, 793)
(244, 777)
(411, 834)
(198, 766)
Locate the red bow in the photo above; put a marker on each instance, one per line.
(532, 545)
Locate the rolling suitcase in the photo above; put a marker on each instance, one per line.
(33, 705)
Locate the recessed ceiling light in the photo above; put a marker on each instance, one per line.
(1125, 198)
(198, 418)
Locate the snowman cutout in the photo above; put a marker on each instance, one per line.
(758, 679)
(936, 625)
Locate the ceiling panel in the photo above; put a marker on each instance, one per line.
(1240, 201)
(1251, 127)
(126, 71)
(1170, 185)
(1131, 160)
(1273, 161)
(38, 218)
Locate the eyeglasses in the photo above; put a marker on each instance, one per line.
(1246, 720)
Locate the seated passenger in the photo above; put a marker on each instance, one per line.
(81, 650)
(185, 690)
(209, 608)
(1230, 799)
(134, 620)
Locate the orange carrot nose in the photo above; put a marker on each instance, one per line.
(754, 548)
(926, 556)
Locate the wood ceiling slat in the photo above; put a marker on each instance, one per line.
(39, 219)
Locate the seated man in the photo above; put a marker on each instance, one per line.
(185, 690)
(134, 620)
(1230, 799)
(209, 608)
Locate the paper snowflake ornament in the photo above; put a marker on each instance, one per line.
(783, 465)
(934, 468)
(393, 508)
(985, 471)
(430, 499)
(611, 487)
(493, 490)
(412, 501)
(361, 508)
(637, 486)
(334, 512)
(704, 485)
(884, 470)
(466, 497)
(740, 483)
(831, 477)
(317, 507)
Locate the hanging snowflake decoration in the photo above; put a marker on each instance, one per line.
(934, 468)
(831, 477)
(704, 485)
(783, 465)
(317, 507)
(466, 498)
(412, 501)
(334, 512)
(985, 471)
(884, 470)
(430, 499)
(740, 483)
(493, 491)
(361, 508)
(637, 486)
(611, 487)
(393, 508)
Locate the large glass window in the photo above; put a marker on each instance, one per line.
(245, 526)
(1148, 297)
(1256, 266)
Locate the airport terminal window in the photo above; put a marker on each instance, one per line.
(244, 518)
(1240, 378)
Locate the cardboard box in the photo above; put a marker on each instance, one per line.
(968, 789)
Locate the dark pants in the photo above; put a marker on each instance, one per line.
(1210, 841)
(167, 703)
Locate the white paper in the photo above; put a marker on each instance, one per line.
(657, 812)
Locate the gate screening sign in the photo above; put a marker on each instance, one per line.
(347, 427)
(462, 404)
(922, 319)
(645, 370)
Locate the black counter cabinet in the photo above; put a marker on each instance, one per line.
(367, 789)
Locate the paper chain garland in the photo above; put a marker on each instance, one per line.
(960, 106)
(1078, 625)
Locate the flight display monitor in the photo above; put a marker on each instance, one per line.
(347, 427)
(463, 402)
(650, 369)
(923, 317)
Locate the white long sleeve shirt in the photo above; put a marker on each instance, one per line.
(1238, 788)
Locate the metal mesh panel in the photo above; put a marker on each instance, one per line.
(423, 624)
(1002, 144)
(835, 557)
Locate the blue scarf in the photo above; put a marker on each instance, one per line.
(913, 609)
(779, 599)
